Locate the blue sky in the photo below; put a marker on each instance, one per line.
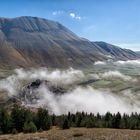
(113, 21)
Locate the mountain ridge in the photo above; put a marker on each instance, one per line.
(31, 41)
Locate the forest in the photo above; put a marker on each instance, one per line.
(20, 119)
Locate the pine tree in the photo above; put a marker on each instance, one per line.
(43, 119)
(29, 127)
(89, 123)
(65, 123)
(4, 121)
(53, 119)
(19, 117)
(78, 119)
(116, 120)
(124, 122)
(108, 120)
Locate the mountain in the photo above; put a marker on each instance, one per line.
(138, 52)
(31, 41)
(117, 52)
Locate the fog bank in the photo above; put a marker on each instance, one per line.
(80, 98)
(87, 100)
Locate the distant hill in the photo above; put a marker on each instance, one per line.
(117, 52)
(31, 41)
(138, 52)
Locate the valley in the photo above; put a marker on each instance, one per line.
(106, 81)
(69, 70)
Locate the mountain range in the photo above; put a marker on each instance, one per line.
(31, 41)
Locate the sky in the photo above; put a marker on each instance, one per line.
(112, 21)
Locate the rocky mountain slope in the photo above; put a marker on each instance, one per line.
(32, 41)
(116, 52)
(138, 52)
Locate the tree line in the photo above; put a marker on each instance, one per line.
(20, 119)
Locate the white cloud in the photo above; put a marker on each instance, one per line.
(128, 62)
(89, 100)
(80, 98)
(113, 75)
(100, 63)
(13, 83)
(119, 63)
(116, 74)
(74, 16)
(57, 13)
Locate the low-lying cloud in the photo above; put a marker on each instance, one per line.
(116, 74)
(14, 83)
(128, 62)
(100, 63)
(80, 98)
(121, 63)
(88, 100)
(113, 75)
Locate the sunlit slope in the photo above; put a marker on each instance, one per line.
(31, 41)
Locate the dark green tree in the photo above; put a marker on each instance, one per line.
(107, 120)
(5, 121)
(65, 123)
(19, 116)
(53, 119)
(89, 123)
(78, 119)
(43, 119)
(116, 120)
(29, 127)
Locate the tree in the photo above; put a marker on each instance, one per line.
(108, 120)
(4, 121)
(116, 120)
(53, 119)
(43, 119)
(65, 124)
(134, 121)
(89, 123)
(19, 117)
(29, 127)
(78, 119)
(124, 122)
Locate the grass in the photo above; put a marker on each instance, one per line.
(78, 134)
